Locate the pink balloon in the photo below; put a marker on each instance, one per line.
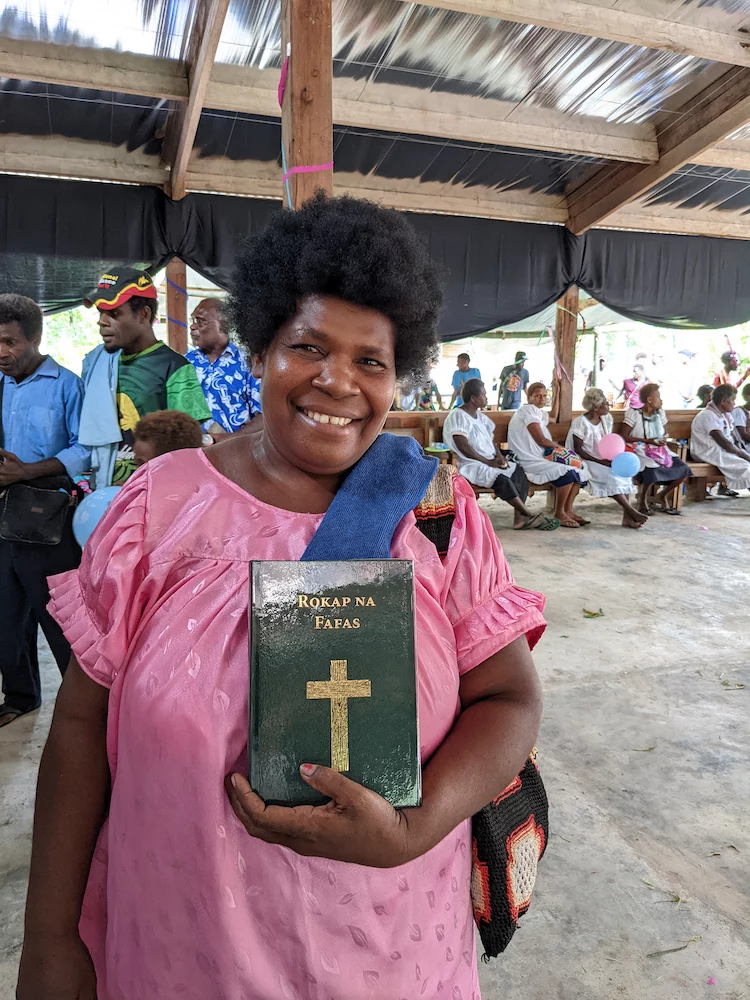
(610, 446)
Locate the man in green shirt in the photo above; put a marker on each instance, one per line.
(132, 368)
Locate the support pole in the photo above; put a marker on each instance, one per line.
(566, 330)
(307, 106)
(177, 302)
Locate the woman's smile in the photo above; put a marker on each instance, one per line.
(323, 418)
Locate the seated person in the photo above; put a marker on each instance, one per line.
(704, 395)
(646, 428)
(740, 416)
(713, 439)
(471, 435)
(540, 457)
(584, 436)
(163, 431)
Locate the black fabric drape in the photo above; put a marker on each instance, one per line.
(57, 237)
(497, 272)
(685, 282)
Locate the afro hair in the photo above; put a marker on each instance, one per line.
(352, 249)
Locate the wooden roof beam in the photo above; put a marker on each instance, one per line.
(713, 115)
(184, 119)
(599, 21)
(239, 88)
(76, 159)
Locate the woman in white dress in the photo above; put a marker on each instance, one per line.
(646, 428)
(584, 436)
(470, 434)
(741, 418)
(712, 439)
(528, 439)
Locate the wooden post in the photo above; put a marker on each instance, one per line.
(307, 109)
(566, 329)
(177, 302)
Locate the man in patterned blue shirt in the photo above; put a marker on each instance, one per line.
(232, 394)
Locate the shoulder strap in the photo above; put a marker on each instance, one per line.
(436, 511)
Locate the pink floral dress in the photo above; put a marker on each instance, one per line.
(181, 901)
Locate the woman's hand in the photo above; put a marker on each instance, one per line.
(357, 825)
(56, 970)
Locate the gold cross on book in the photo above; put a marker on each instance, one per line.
(339, 689)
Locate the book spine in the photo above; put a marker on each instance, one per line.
(254, 699)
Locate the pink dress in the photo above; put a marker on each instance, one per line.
(181, 901)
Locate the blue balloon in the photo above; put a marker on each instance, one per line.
(90, 511)
(626, 465)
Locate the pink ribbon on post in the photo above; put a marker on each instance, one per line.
(282, 81)
(307, 170)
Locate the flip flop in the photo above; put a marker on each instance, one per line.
(540, 522)
(669, 510)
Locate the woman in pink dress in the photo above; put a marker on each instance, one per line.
(156, 871)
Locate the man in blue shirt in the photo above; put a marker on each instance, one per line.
(513, 381)
(463, 373)
(231, 391)
(40, 407)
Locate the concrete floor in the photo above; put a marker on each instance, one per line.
(632, 827)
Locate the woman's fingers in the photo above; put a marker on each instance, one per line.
(334, 785)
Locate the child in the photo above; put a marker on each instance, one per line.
(162, 431)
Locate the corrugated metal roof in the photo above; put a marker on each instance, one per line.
(408, 44)
(149, 27)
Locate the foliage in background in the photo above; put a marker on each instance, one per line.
(69, 336)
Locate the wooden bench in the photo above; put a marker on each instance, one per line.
(702, 475)
(427, 428)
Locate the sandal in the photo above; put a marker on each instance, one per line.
(669, 510)
(581, 520)
(540, 522)
(9, 714)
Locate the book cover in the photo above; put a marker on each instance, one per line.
(333, 677)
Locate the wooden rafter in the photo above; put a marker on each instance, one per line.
(714, 114)
(601, 20)
(183, 122)
(76, 159)
(244, 89)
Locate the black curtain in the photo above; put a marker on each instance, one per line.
(57, 237)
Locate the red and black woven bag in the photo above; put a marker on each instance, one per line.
(509, 836)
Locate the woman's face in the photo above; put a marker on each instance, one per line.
(602, 409)
(727, 404)
(328, 380)
(539, 397)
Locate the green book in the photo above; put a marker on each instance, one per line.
(333, 677)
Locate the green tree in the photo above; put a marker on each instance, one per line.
(70, 335)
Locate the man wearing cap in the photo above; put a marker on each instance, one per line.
(513, 381)
(232, 393)
(130, 375)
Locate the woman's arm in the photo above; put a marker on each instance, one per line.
(486, 748)
(461, 442)
(744, 431)
(501, 706)
(537, 432)
(585, 455)
(71, 804)
(726, 445)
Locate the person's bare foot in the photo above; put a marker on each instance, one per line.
(569, 522)
(629, 522)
